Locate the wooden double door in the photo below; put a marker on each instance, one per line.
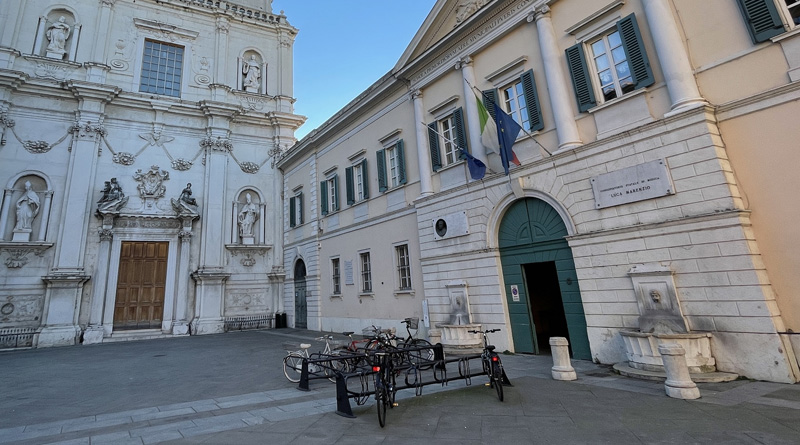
(141, 282)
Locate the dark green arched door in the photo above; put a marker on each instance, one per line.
(542, 291)
(300, 301)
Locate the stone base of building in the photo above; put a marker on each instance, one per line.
(58, 336)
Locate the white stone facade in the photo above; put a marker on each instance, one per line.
(696, 114)
(153, 95)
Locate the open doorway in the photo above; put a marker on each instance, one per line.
(546, 306)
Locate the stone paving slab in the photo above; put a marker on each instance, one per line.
(236, 393)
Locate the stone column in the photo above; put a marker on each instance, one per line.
(473, 129)
(423, 157)
(679, 383)
(103, 28)
(672, 56)
(6, 210)
(65, 281)
(48, 202)
(94, 331)
(562, 368)
(557, 88)
(180, 326)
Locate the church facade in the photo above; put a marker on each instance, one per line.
(653, 199)
(137, 156)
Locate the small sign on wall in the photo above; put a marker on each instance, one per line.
(637, 183)
(348, 272)
(515, 293)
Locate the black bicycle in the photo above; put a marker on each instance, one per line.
(492, 365)
(384, 383)
(421, 353)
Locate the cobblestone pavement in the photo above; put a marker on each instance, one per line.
(230, 389)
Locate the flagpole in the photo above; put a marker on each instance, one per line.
(523, 129)
(452, 141)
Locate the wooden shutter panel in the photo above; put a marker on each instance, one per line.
(579, 72)
(348, 178)
(300, 212)
(634, 48)
(292, 222)
(380, 156)
(401, 162)
(323, 197)
(433, 144)
(489, 99)
(366, 178)
(461, 134)
(762, 18)
(532, 101)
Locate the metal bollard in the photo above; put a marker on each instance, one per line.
(562, 368)
(679, 384)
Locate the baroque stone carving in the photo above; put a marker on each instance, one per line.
(52, 71)
(124, 158)
(249, 167)
(217, 144)
(185, 205)
(151, 184)
(248, 215)
(113, 199)
(57, 34)
(28, 206)
(251, 70)
(105, 234)
(468, 7)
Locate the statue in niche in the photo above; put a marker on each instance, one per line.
(251, 70)
(27, 208)
(185, 204)
(113, 199)
(248, 215)
(57, 34)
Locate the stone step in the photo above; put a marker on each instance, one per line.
(658, 376)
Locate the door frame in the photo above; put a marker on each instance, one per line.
(166, 234)
(305, 285)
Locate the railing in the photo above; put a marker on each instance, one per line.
(16, 337)
(241, 323)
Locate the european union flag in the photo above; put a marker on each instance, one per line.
(507, 131)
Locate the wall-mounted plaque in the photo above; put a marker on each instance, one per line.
(450, 226)
(348, 272)
(637, 183)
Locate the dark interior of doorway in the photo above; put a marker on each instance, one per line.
(544, 299)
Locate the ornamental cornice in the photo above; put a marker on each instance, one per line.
(465, 41)
(18, 252)
(165, 30)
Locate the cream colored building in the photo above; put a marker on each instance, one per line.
(656, 190)
(138, 140)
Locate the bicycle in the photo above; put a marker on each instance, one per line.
(293, 362)
(423, 356)
(384, 384)
(492, 365)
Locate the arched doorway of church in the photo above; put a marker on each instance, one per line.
(300, 301)
(542, 291)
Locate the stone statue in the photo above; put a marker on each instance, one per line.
(186, 195)
(27, 208)
(57, 34)
(252, 75)
(113, 199)
(247, 217)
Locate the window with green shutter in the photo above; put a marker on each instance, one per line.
(380, 156)
(328, 195)
(391, 166)
(520, 100)
(348, 179)
(357, 180)
(763, 19)
(323, 197)
(433, 145)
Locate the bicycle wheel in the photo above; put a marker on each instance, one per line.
(497, 379)
(423, 356)
(293, 366)
(381, 400)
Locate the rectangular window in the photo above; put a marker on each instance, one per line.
(447, 132)
(162, 66)
(515, 105)
(336, 278)
(611, 66)
(296, 210)
(357, 181)
(403, 267)
(366, 273)
(793, 7)
(394, 172)
(329, 195)
(391, 166)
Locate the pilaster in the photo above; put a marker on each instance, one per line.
(468, 81)
(423, 160)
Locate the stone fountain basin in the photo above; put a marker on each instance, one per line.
(642, 350)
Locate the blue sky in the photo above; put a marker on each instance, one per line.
(343, 47)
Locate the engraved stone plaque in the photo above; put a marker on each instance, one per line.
(637, 183)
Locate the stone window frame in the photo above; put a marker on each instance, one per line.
(402, 263)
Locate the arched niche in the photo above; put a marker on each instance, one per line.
(57, 34)
(251, 72)
(26, 205)
(248, 213)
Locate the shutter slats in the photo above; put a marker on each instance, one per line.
(461, 134)
(348, 177)
(381, 160)
(763, 19)
(641, 73)
(579, 73)
(401, 162)
(532, 101)
(433, 144)
(323, 197)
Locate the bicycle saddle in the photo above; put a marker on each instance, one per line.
(304, 345)
(490, 347)
(348, 333)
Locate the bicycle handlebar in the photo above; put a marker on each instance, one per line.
(488, 331)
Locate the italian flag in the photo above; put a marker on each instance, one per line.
(489, 137)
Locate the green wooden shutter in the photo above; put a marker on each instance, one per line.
(323, 197)
(461, 133)
(634, 48)
(532, 101)
(381, 159)
(364, 172)
(762, 18)
(300, 208)
(433, 144)
(579, 72)
(489, 99)
(401, 162)
(348, 178)
(292, 221)
(335, 193)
